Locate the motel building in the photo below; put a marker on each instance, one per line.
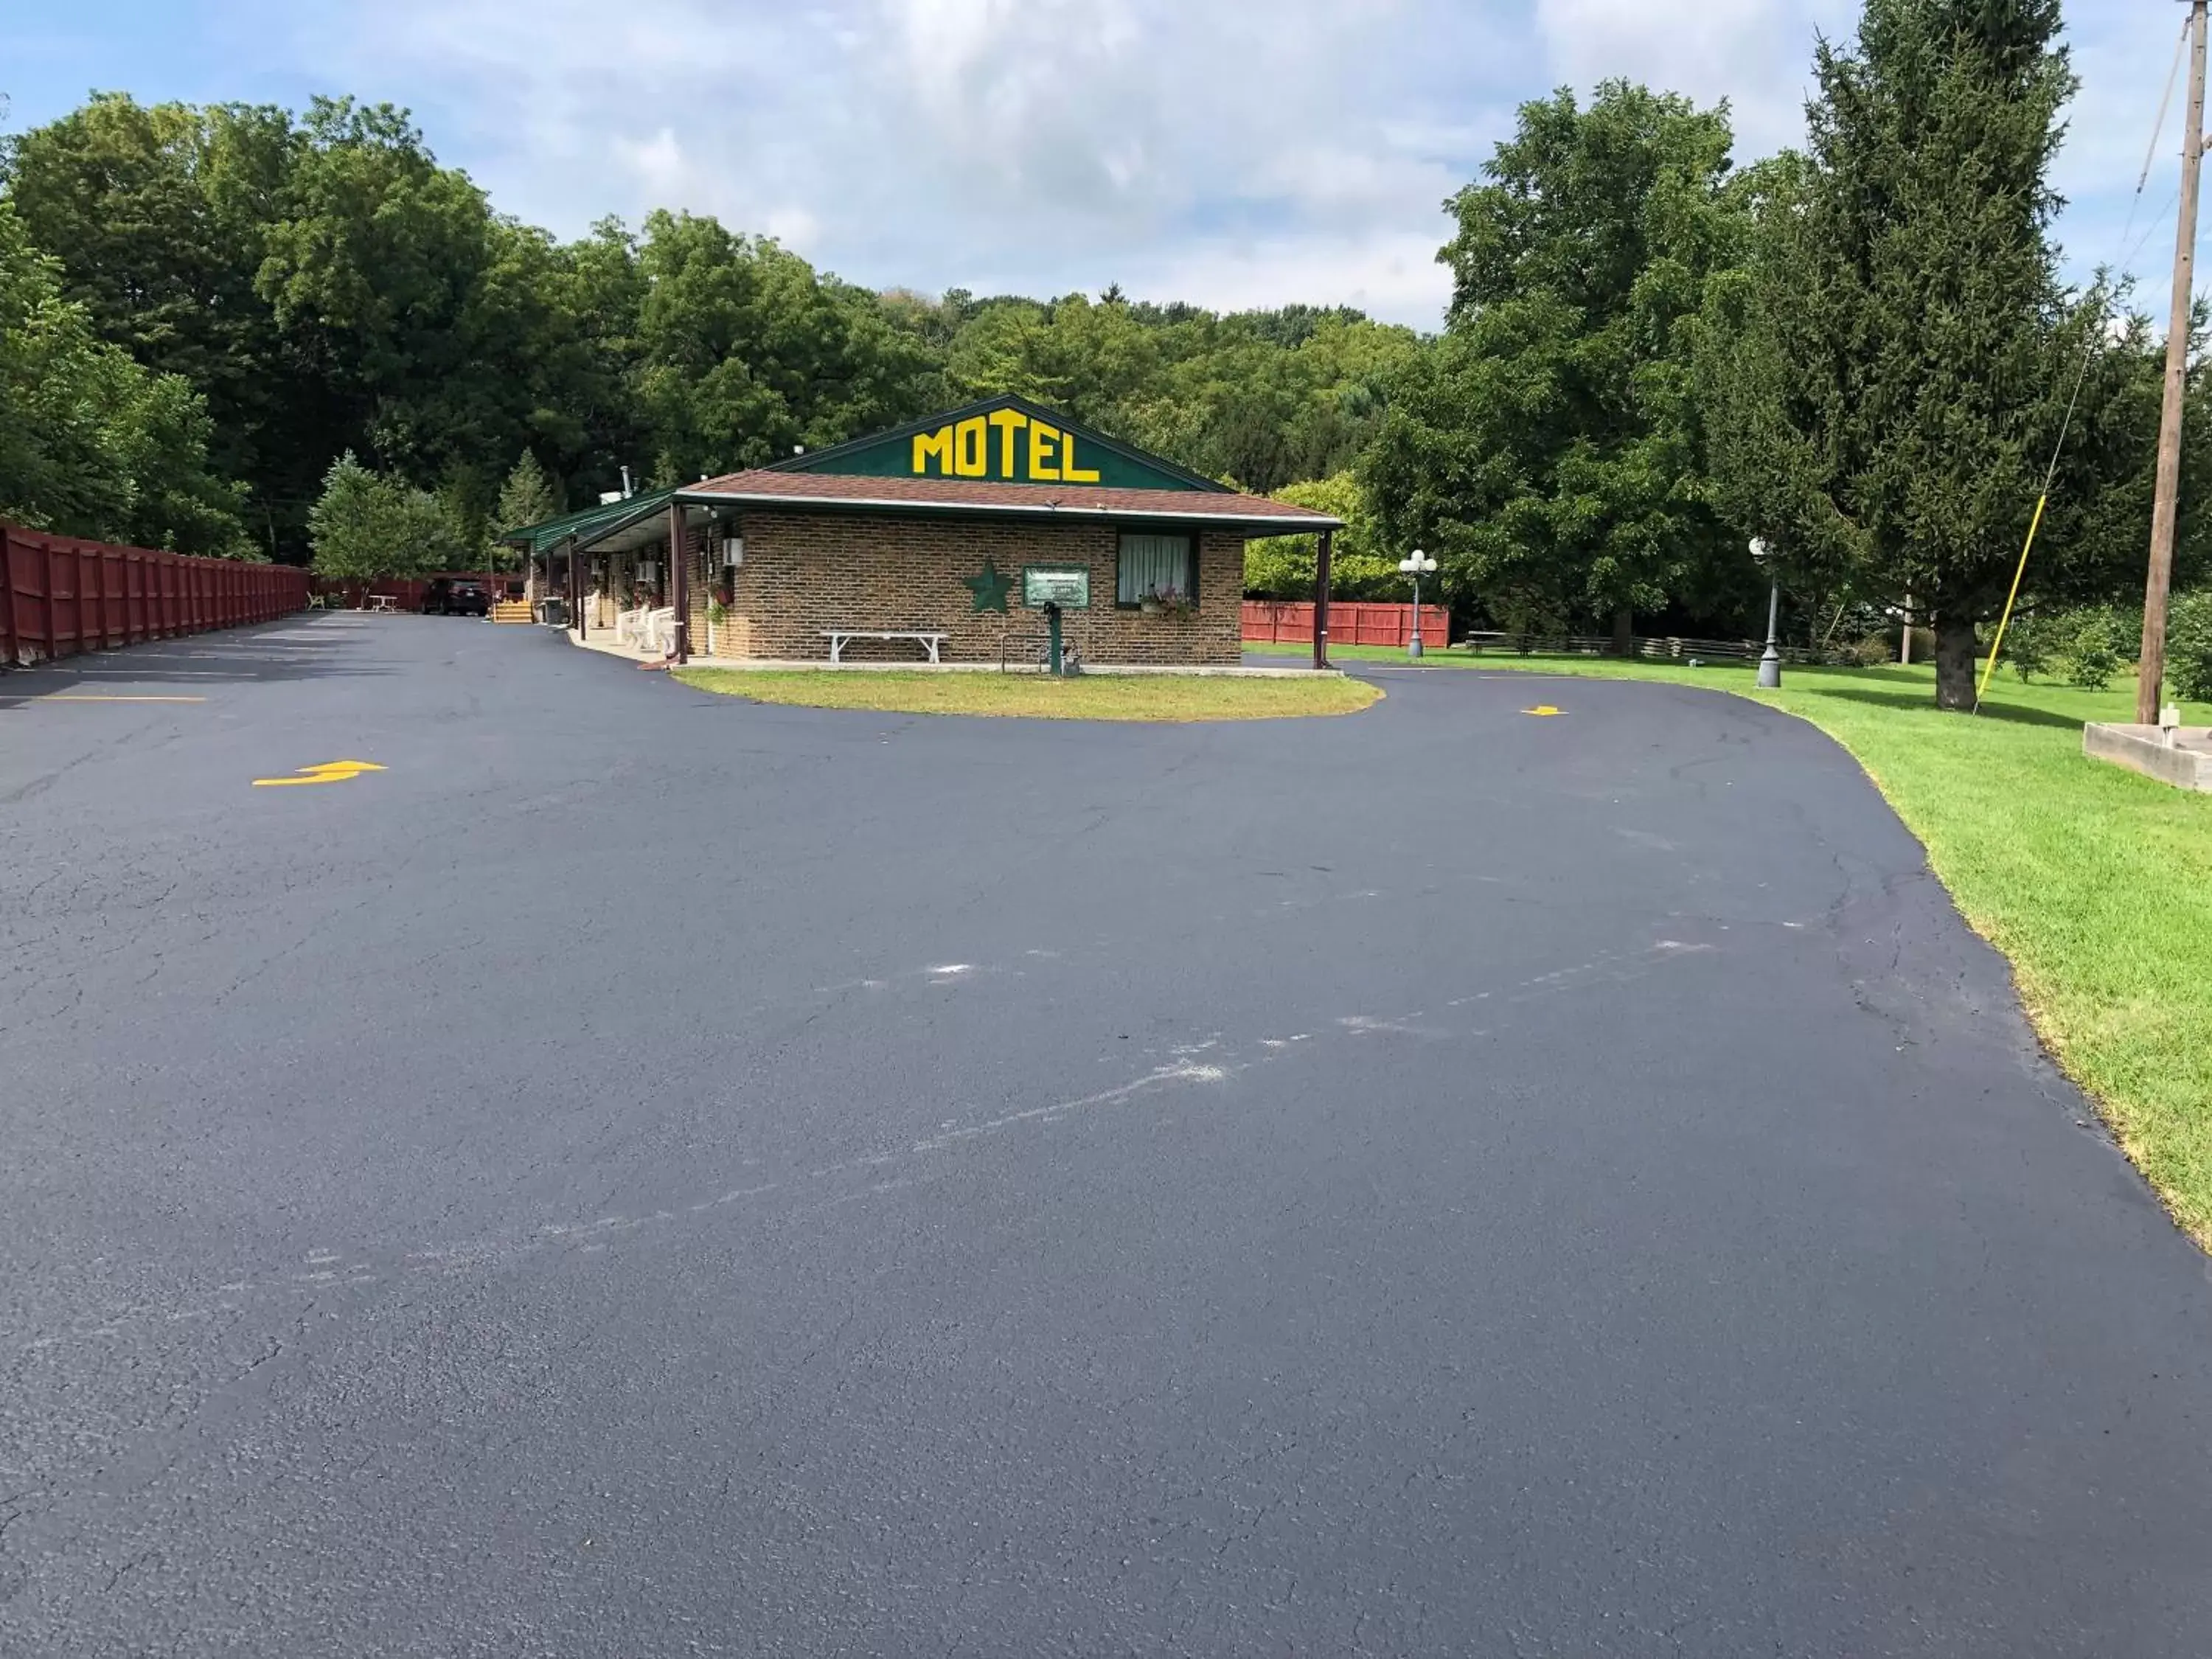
(943, 541)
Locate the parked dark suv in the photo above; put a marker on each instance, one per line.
(448, 595)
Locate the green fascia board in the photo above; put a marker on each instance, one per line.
(890, 454)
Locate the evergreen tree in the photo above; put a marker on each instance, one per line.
(1884, 389)
(526, 497)
(368, 526)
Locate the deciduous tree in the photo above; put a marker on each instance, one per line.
(92, 443)
(1282, 566)
(1550, 445)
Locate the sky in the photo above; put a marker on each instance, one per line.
(1233, 153)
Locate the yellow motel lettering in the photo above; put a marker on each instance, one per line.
(1028, 450)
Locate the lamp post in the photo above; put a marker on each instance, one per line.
(1769, 665)
(1417, 565)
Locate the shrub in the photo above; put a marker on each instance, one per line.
(1872, 652)
(2188, 647)
(2096, 645)
(2028, 645)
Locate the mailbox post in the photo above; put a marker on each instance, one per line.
(1054, 589)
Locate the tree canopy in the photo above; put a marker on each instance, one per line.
(367, 527)
(324, 283)
(92, 443)
(1282, 566)
(1890, 377)
(1548, 451)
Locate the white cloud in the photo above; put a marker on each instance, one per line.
(1755, 53)
(1291, 149)
(1393, 275)
(1227, 151)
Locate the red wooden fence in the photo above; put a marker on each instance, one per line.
(59, 595)
(1350, 622)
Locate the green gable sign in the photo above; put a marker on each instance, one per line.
(1004, 441)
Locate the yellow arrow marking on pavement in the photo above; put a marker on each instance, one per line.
(1543, 708)
(328, 772)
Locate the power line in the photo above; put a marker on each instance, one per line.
(2089, 345)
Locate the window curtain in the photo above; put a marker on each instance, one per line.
(1153, 565)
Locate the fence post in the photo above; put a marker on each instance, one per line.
(7, 597)
(54, 605)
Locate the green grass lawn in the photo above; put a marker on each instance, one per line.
(2095, 881)
(1038, 696)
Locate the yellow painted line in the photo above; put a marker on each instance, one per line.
(88, 696)
(342, 771)
(1543, 710)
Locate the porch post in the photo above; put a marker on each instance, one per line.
(679, 586)
(576, 589)
(1320, 599)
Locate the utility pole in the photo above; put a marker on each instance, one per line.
(2150, 670)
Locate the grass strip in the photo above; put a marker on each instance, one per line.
(1164, 697)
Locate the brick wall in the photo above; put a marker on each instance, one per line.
(805, 572)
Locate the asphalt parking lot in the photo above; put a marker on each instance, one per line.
(642, 1173)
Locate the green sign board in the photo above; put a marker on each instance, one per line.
(1004, 440)
(1068, 586)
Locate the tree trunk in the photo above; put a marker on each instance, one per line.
(1954, 663)
(1624, 632)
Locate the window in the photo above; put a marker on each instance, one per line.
(1157, 566)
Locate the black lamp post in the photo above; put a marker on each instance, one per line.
(1769, 665)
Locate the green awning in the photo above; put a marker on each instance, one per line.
(590, 524)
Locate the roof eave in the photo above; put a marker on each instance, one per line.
(1043, 512)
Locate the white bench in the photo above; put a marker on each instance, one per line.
(838, 638)
(648, 630)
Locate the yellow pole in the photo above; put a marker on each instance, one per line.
(2003, 622)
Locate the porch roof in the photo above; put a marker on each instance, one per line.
(592, 526)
